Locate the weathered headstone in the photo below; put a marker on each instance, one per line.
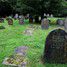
(21, 20)
(45, 24)
(29, 32)
(10, 21)
(1, 20)
(18, 59)
(65, 24)
(16, 16)
(56, 47)
(60, 22)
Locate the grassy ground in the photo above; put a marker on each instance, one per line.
(13, 36)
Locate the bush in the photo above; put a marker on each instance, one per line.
(26, 21)
(2, 27)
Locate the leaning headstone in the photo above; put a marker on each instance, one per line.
(56, 47)
(60, 22)
(10, 21)
(45, 24)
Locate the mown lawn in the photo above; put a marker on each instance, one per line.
(13, 36)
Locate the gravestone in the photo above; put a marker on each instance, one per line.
(10, 21)
(1, 20)
(18, 58)
(60, 22)
(16, 16)
(45, 23)
(29, 32)
(65, 24)
(51, 15)
(30, 19)
(56, 47)
(21, 20)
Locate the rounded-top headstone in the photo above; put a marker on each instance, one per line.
(56, 47)
(60, 22)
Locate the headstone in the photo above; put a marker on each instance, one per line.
(30, 19)
(48, 15)
(45, 14)
(27, 15)
(51, 15)
(10, 21)
(60, 22)
(1, 20)
(56, 47)
(21, 20)
(16, 16)
(39, 18)
(22, 50)
(29, 32)
(45, 23)
(18, 59)
(65, 24)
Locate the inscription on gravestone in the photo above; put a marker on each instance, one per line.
(56, 47)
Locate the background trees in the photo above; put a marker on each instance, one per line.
(34, 7)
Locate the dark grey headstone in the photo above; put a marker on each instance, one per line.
(56, 47)
(60, 22)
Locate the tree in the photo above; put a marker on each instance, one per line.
(56, 7)
(5, 8)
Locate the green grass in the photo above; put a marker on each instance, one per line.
(13, 36)
(54, 20)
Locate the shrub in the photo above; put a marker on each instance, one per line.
(2, 27)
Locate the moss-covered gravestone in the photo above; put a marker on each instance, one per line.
(56, 47)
